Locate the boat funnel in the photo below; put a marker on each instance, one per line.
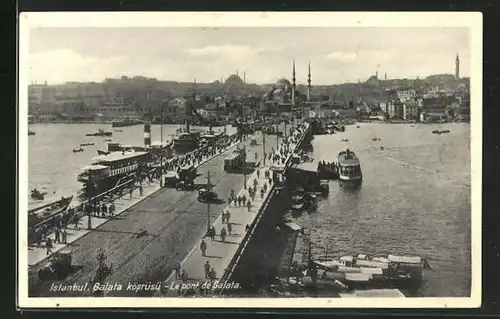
(147, 134)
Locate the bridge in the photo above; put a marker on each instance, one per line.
(153, 231)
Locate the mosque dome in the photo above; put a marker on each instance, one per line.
(234, 79)
(282, 83)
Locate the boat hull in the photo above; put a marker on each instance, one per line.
(35, 216)
(119, 124)
(350, 181)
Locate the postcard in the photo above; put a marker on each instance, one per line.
(249, 159)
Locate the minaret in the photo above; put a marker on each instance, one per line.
(376, 74)
(385, 76)
(293, 84)
(244, 77)
(457, 68)
(309, 83)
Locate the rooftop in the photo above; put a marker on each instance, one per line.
(116, 156)
(351, 160)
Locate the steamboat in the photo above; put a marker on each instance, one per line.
(126, 121)
(349, 168)
(107, 171)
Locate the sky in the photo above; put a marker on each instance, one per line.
(337, 54)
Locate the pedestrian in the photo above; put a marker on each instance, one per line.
(258, 173)
(140, 190)
(57, 234)
(177, 269)
(229, 228)
(223, 215)
(239, 201)
(184, 276)
(228, 216)
(49, 246)
(270, 180)
(64, 236)
(207, 269)
(247, 227)
(130, 191)
(249, 205)
(244, 200)
(75, 222)
(223, 234)
(212, 233)
(203, 247)
(212, 275)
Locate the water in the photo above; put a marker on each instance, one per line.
(415, 199)
(52, 165)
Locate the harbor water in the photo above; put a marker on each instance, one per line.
(415, 200)
(52, 165)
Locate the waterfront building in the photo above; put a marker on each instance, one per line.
(176, 108)
(410, 111)
(405, 95)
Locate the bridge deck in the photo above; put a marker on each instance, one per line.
(219, 254)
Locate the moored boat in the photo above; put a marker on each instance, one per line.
(42, 213)
(87, 144)
(126, 121)
(36, 194)
(106, 171)
(30, 132)
(364, 271)
(78, 150)
(349, 167)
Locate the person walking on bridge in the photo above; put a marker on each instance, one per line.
(223, 234)
(229, 228)
(49, 246)
(207, 269)
(228, 217)
(203, 248)
(177, 269)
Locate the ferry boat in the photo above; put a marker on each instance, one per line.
(126, 121)
(186, 141)
(107, 171)
(349, 168)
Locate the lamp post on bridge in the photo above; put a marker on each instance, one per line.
(264, 140)
(208, 203)
(244, 166)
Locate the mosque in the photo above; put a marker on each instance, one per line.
(284, 96)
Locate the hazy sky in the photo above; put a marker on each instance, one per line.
(337, 54)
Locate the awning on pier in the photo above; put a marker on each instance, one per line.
(293, 226)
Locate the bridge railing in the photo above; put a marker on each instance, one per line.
(253, 226)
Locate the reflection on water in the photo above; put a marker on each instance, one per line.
(415, 199)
